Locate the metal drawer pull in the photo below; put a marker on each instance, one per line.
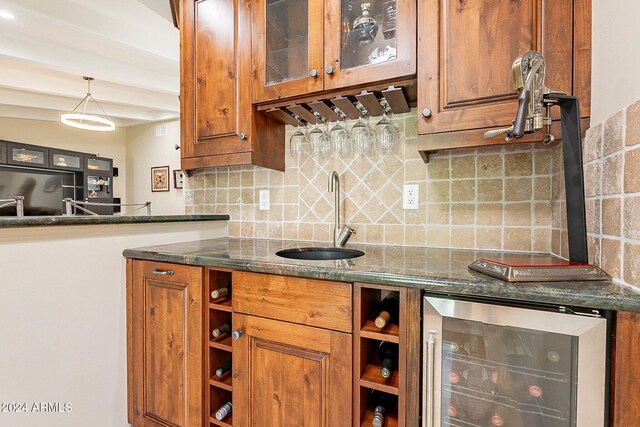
(431, 352)
(164, 273)
(237, 334)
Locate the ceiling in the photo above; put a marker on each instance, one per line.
(130, 47)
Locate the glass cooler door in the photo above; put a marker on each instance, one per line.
(495, 366)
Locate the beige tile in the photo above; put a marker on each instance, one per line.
(518, 164)
(489, 214)
(198, 197)
(517, 214)
(594, 248)
(555, 241)
(233, 229)
(209, 197)
(415, 216)
(611, 257)
(198, 181)
(463, 167)
(518, 189)
(490, 190)
(414, 171)
(611, 215)
(488, 238)
(247, 229)
(516, 239)
(463, 237)
(463, 213)
(235, 196)
(631, 217)
(261, 178)
(612, 175)
(323, 232)
(262, 230)
(632, 171)
(594, 222)
(438, 237)
(374, 234)
(394, 235)
(247, 179)
(438, 168)
(633, 124)
(542, 188)
(235, 179)
(542, 240)
(438, 191)
(276, 178)
(275, 230)
(463, 190)
(542, 214)
(210, 180)
(489, 166)
(593, 144)
(592, 179)
(415, 235)
(543, 164)
(632, 264)
(612, 138)
(305, 232)
(438, 213)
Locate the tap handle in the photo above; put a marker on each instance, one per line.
(497, 132)
(523, 114)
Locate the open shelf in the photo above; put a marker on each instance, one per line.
(371, 378)
(227, 422)
(222, 304)
(223, 343)
(225, 383)
(389, 333)
(391, 420)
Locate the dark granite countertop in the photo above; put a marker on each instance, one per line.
(438, 271)
(47, 221)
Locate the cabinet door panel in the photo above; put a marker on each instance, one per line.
(371, 43)
(166, 345)
(466, 51)
(286, 374)
(287, 45)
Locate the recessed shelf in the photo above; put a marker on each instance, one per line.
(391, 420)
(223, 343)
(227, 422)
(390, 333)
(225, 383)
(372, 379)
(222, 304)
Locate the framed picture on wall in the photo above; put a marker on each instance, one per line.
(160, 178)
(178, 178)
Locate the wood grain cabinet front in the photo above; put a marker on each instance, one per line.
(165, 341)
(219, 126)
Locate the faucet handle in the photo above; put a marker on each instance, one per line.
(344, 236)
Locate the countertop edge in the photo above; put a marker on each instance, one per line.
(50, 221)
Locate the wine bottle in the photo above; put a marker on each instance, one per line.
(223, 411)
(220, 330)
(388, 310)
(381, 404)
(456, 408)
(223, 369)
(219, 293)
(388, 356)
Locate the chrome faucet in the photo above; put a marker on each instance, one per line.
(340, 235)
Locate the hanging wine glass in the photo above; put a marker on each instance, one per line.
(361, 136)
(387, 136)
(298, 140)
(339, 136)
(318, 140)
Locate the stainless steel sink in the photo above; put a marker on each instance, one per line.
(320, 254)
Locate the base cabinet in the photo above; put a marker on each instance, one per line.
(164, 304)
(289, 374)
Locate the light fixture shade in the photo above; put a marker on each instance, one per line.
(82, 120)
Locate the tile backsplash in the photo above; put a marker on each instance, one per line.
(612, 187)
(488, 198)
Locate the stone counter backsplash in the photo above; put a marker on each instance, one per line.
(488, 198)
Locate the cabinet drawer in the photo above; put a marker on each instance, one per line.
(305, 301)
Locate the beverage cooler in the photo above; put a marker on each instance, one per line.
(493, 366)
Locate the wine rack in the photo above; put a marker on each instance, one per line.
(401, 389)
(218, 351)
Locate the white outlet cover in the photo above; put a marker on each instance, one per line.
(265, 200)
(410, 196)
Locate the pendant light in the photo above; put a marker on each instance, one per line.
(84, 120)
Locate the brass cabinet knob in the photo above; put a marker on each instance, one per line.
(329, 70)
(237, 334)
(243, 136)
(314, 73)
(426, 113)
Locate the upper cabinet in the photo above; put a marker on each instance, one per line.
(219, 126)
(308, 46)
(465, 55)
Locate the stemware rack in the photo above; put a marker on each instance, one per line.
(402, 387)
(372, 102)
(218, 351)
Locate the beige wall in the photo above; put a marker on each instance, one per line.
(143, 151)
(616, 57)
(57, 135)
(63, 312)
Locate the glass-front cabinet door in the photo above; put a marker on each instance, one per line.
(288, 48)
(368, 41)
(3, 152)
(65, 160)
(27, 155)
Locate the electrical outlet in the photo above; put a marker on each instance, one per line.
(265, 200)
(410, 196)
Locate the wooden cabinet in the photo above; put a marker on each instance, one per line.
(294, 368)
(164, 334)
(303, 47)
(219, 126)
(625, 382)
(465, 53)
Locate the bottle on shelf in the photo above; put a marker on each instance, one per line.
(458, 368)
(381, 405)
(221, 292)
(457, 408)
(388, 356)
(388, 310)
(221, 330)
(223, 411)
(223, 369)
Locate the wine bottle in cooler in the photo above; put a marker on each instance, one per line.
(388, 309)
(388, 356)
(457, 407)
(458, 367)
(221, 330)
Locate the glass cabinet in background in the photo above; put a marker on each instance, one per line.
(27, 155)
(3, 152)
(306, 46)
(65, 160)
(93, 163)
